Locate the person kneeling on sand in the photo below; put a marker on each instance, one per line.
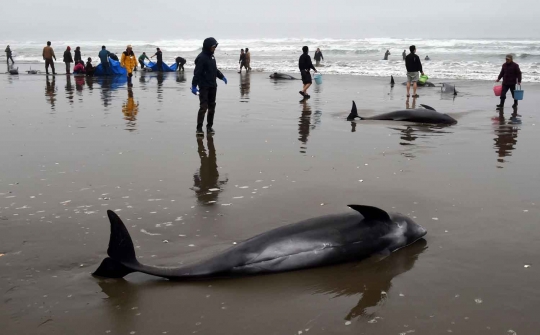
(79, 68)
(305, 65)
(89, 68)
(413, 65)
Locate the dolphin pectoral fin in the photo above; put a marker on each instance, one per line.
(354, 113)
(371, 213)
(428, 107)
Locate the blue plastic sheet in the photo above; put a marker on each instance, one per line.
(114, 69)
(166, 68)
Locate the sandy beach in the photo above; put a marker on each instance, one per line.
(75, 147)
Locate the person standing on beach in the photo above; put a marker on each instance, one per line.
(248, 60)
(413, 65)
(77, 57)
(142, 58)
(510, 74)
(305, 65)
(242, 60)
(386, 54)
(180, 64)
(89, 68)
(129, 62)
(9, 55)
(48, 55)
(204, 77)
(318, 57)
(159, 61)
(104, 58)
(404, 54)
(68, 59)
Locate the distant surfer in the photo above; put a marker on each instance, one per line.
(318, 57)
(413, 65)
(305, 65)
(386, 54)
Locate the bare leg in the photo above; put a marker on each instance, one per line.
(408, 88)
(414, 88)
(306, 87)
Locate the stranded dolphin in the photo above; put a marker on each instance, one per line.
(311, 243)
(277, 75)
(422, 115)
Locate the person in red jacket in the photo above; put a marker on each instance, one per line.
(510, 74)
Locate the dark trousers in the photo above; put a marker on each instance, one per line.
(159, 66)
(142, 64)
(106, 68)
(8, 58)
(207, 98)
(179, 66)
(505, 89)
(49, 62)
(67, 68)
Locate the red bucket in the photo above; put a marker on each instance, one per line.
(497, 89)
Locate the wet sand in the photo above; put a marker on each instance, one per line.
(74, 148)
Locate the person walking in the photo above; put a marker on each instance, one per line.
(77, 58)
(9, 55)
(68, 59)
(404, 54)
(48, 55)
(159, 61)
(318, 57)
(129, 62)
(305, 65)
(142, 57)
(248, 60)
(413, 65)
(180, 63)
(386, 54)
(204, 77)
(510, 74)
(242, 60)
(104, 58)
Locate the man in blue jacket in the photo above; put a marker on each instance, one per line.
(104, 57)
(204, 76)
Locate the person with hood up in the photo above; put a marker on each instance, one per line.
(79, 68)
(68, 59)
(510, 74)
(180, 63)
(204, 77)
(77, 57)
(305, 65)
(318, 57)
(104, 58)
(9, 55)
(386, 54)
(129, 62)
(89, 68)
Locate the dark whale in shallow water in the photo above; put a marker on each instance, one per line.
(421, 115)
(320, 241)
(277, 75)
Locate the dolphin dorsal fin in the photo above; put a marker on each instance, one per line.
(428, 107)
(354, 112)
(371, 213)
(392, 82)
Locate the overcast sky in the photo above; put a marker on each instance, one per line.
(173, 19)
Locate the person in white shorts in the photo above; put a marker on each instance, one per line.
(413, 65)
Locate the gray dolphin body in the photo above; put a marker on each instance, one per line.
(311, 243)
(277, 75)
(421, 115)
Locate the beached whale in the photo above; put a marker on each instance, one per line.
(320, 241)
(277, 75)
(421, 115)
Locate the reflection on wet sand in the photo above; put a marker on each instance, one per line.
(50, 91)
(245, 87)
(206, 183)
(506, 132)
(160, 79)
(408, 106)
(130, 110)
(109, 84)
(180, 77)
(69, 89)
(79, 84)
(90, 83)
(304, 125)
(409, 135)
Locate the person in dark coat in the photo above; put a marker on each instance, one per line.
(159, 61)
(318, 57)
(180, 63)
(77, 57)
(413, 66)
(305, 65)
(68, 59)
(89, 68)
(204, 77)
(242, 60)
(510, 74)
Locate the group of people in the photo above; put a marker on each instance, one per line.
(245, 60)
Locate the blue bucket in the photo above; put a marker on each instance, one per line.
(518, 93)
(318, 78)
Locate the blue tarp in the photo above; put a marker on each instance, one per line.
(114, 68)
(166, 68)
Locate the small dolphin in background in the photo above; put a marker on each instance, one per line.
(319, 241)
(422, 115)
(448, 88)
(277, 75)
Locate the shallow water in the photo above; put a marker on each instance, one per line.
(75, 148)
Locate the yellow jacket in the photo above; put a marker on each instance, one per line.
(128, 62)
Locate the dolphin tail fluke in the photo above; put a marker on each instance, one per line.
(121, 251)
(354, 113)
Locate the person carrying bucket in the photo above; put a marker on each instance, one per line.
(510, 74)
